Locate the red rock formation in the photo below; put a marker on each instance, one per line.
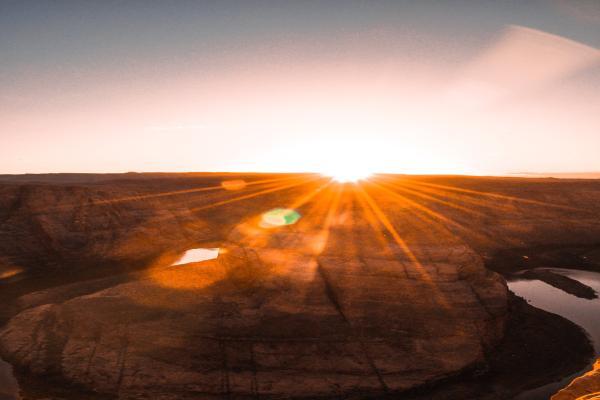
(586, 387)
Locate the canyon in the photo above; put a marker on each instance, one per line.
(391, 285)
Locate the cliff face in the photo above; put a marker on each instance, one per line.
(377, 288)
(44, 226)
(112, 225)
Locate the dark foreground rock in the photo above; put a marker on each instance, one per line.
(269, 322)
(538, 348)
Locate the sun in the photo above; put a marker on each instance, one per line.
(348, 175)
(345, 159)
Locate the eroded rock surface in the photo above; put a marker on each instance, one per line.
(378, 288)
(268, 322)
(280, 313)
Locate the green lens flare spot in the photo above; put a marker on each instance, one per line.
(279, 217)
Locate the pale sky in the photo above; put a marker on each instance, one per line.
(477, 87)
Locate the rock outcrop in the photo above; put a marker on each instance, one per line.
(586, 387)
(268, 322)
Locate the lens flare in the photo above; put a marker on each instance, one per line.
(234, 184)
(279, 217)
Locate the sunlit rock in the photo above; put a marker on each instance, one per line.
(586, 387)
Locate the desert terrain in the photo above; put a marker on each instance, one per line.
(393, 286)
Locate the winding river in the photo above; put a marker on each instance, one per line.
(583, 312)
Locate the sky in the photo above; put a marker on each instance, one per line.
(468, 87)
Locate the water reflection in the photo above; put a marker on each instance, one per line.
(9, 388)
(197, 255)
(582, 312)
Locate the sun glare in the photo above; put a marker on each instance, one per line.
(348, 176)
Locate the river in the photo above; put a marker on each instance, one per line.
(583, 312)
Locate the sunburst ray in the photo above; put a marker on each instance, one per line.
(436, 218)
(385, 221)
(302, 181)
